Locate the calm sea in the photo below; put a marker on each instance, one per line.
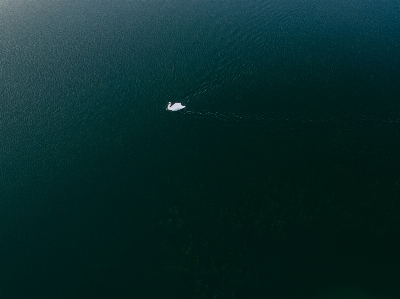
(280, 178)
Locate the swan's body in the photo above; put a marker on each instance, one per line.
(175, 107)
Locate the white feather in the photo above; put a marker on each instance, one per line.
(175, 107)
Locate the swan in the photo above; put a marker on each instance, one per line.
(175, 107)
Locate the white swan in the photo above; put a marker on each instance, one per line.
(175, 107)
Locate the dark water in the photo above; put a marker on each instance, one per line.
(279, 180)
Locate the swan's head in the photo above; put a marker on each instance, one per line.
(169, 105)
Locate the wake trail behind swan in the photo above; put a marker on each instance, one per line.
(346, 122)
(248, 118)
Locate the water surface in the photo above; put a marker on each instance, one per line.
(280, 179)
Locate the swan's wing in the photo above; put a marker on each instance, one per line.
(177, 106)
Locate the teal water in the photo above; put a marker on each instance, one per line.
(280, 179)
